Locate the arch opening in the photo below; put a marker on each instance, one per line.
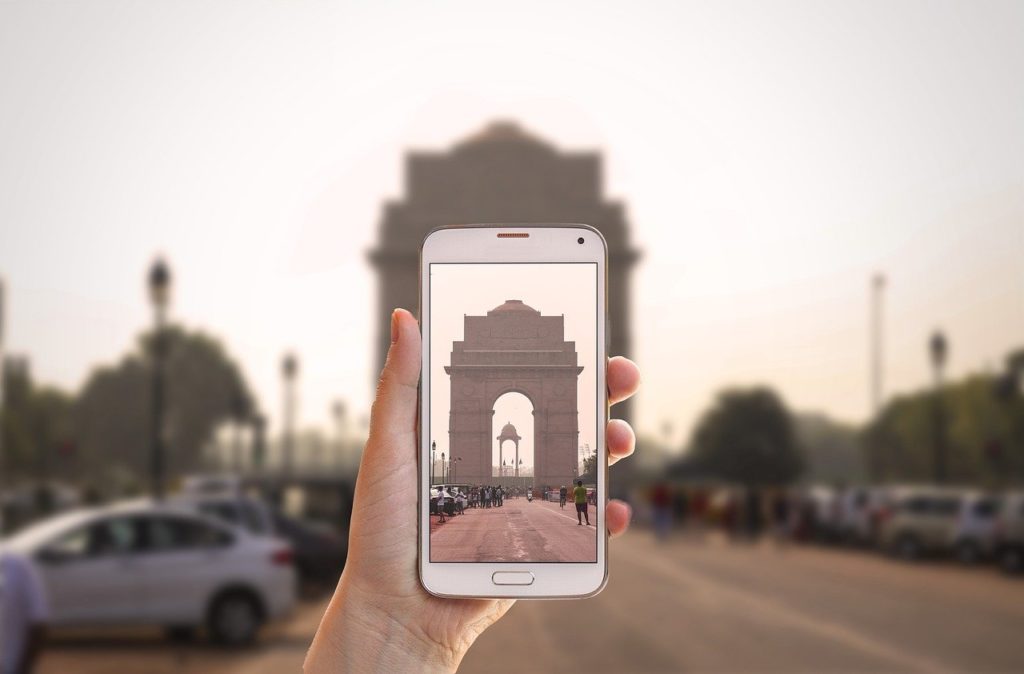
(512, 409)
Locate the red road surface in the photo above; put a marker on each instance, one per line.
(519, 531)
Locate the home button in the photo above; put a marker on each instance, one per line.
(512, 578)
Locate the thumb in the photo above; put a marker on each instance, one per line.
(394, 408)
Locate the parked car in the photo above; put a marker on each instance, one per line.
(226, 501)
(1008, 536)
(320, 552)
(974, 535)
(921, 521)
(144, 563)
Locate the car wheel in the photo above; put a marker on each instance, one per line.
(1011, 560)
(968, 552)
(907, 547)
(235, 619)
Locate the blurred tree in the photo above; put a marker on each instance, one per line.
(36, 424)
(748, 437)
(985, 436)
(204, 388)
(832, 449)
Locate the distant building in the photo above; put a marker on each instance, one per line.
(501, 174)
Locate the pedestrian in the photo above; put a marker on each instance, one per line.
(579, 495)
(661, 501)
(501, 496)
(563, 493)
(440, 506)
(24, 614)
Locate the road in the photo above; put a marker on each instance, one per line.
(519, 531)
(694, 604)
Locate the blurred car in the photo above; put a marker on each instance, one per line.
(224, 499)
(320, 552)
(974, 536)
(145, 563)
(922, 521)
(1008, 535)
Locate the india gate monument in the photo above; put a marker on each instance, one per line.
(514, 349)
(502, 174)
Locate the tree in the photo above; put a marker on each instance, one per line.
(832, 450)
(748, 437)
(36, 424)
(113, 411)
(984, 415)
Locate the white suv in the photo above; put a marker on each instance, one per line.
(155, 564)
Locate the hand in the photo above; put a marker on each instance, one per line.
(381, 618)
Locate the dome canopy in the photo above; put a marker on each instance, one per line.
(513, 306)
(508, 432)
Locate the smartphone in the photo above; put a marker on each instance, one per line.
(513, 411)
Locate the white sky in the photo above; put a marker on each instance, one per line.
(469, 289)
(771, 155)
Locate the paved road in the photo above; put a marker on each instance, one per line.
(696, 604)
(520, 530)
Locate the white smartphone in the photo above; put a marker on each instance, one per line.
(513, 411)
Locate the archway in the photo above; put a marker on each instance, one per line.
(512, 435)
(514, 349)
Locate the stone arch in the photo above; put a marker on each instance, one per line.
(514, 349)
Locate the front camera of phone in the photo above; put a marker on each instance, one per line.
(580, 240)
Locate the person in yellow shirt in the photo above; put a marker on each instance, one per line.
(579, 495)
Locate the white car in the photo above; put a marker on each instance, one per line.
(143, 563)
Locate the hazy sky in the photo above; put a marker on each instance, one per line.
(469, 289)
(771, 156)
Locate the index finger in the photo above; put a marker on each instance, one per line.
(623, 379)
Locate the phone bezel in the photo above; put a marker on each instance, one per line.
(480, 243)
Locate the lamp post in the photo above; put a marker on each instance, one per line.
(289, 371)
(159, 295)
(454, 462)
(939, 349)
(878, 283)
(340, 413)
(3, 471)
(239, 408)
(433, 461)
(442, 468)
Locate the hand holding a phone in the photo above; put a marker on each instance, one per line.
(381, 618)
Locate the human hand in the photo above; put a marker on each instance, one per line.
(381, 618)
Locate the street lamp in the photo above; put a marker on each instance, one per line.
(289, 370)
(433, 461)
(454, 463)
(442, 468)
(159, 296)
(938, 347)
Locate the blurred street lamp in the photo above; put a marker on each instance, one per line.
(454, 463)
(289, 371)
(259, 447)
(433, 461)
(3, 472)
(239, 410)
(939, 350)
(878, 283)
(339, 412)
(159, 295)
(442, 468)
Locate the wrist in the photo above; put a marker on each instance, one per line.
(366, 635)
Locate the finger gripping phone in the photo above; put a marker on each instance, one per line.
(513, 411)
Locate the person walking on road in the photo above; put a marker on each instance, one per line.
(562, 495)
(579, 495)
(501, 496)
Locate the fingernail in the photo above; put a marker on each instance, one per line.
(394, 326)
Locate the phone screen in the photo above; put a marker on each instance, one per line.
(513, 412)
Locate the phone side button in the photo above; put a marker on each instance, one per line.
(512, 578)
